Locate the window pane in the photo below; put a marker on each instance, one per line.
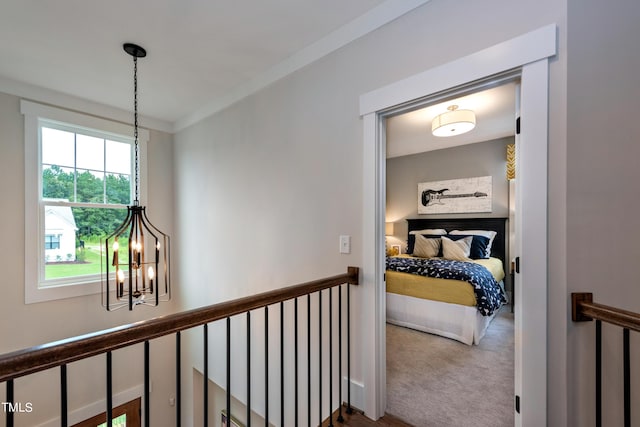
(118, 157)
(120, 421)
(57, 147)
(118, 189)
(77, 234)
(57, 183)
(89, 186)
(89, 152)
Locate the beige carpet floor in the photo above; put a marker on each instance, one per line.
(439, 382)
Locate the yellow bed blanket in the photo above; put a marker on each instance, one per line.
(444, 290)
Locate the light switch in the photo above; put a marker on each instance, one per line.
(345, 244)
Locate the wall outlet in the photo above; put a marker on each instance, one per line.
(345, 244)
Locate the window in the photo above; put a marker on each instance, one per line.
(51, 241)
(85, 177)
(126, 415)
(79, 177)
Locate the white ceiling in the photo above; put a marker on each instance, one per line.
(410, 133)
(202, 56)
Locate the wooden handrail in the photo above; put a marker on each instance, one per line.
(39, 358)
(584, 309)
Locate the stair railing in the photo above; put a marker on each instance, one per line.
(61, 353)
(584, 309)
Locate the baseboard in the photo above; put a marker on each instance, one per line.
(357, 392)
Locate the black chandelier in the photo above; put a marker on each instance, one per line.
(136, 255)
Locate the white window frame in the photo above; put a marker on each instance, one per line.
(34, 115)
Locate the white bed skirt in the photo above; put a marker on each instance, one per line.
(458, 322)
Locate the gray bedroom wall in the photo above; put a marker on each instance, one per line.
(466, 161)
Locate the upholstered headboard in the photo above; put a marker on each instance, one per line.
(499, 247)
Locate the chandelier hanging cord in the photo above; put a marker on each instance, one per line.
(135, 127)
(136, 52)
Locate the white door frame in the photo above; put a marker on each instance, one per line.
(529, 55)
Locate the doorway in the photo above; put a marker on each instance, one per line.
(426, 370)
(527, 56)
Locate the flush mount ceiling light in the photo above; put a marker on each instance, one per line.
(453, 122)
(136, 258)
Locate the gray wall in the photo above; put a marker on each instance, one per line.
(404, 173)
(265, 187)
(603, 179)
(466, 161)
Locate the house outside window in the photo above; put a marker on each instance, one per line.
(51, 241)
(79, 173)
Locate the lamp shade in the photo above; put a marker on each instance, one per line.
(453, 122)
(388, 229)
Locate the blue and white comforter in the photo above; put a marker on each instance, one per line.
(489, 295)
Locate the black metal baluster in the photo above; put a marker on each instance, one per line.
(266, 366)
(340, 418)
(248, 369)
(178, 380)
(63, 396)
(320, 356)
(627, 378)
(9, 414)
(598, 373)
(295, 352)
(330, 356)
(282, 363)
(309, 360)
(147, 383)
(205, 390)
(349, 410)
(109, 392)
(229, 370)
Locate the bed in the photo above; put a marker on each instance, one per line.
(460, 302)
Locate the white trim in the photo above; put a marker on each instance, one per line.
(531, 48)
(372, 264)
(370, 21)
(357, 392)
(512, 54)
(42, 111)
(47, 96)
(532, 232)
(33, 114)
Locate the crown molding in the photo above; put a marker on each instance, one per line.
(377, 17)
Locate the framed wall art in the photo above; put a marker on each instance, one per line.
(465, 195)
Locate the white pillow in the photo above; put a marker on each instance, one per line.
(425, 247)
(486, 233)
(434, 231)
(457, 250)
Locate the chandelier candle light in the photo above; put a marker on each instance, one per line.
(137, 257)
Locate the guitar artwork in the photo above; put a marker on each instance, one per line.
(434, 197)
